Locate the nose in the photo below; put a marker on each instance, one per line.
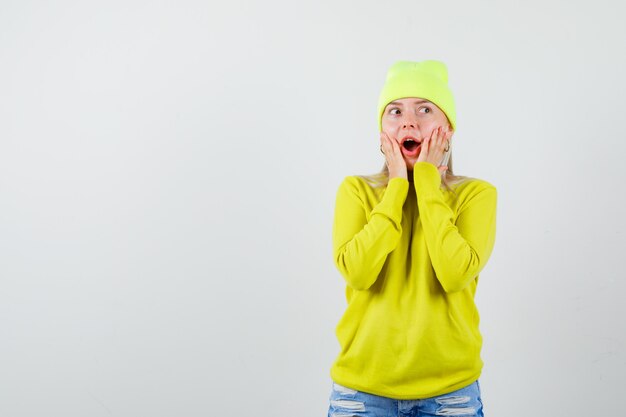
(409, 124)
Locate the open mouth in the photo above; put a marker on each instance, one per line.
(411, 148)
(410, 145)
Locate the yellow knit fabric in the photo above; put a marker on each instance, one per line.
(410, 254)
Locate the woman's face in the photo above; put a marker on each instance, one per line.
(414, 117)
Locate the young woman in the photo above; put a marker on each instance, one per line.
(410, 243)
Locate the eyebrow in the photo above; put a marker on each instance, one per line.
(415, 102)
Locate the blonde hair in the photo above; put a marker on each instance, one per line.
(381, 179)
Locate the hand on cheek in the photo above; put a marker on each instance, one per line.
(434, 147)
(393, 157)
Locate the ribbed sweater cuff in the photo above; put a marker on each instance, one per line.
(393, 200)
(426, 178)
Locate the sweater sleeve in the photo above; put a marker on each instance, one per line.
(360, 247)
(458, 251)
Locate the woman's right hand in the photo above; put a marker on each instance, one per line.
(393, 156)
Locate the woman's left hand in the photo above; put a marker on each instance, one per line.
(434, 147)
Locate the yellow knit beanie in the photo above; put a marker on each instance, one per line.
(424, 79)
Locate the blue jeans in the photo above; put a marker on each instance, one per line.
(347, 402)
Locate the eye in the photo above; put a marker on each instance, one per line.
(425, 108)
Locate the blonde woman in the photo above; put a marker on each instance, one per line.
(410, 243)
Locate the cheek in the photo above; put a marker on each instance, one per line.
(388, 124)
(431, 128)
(390, 132)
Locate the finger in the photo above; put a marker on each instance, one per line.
(429, 147)
(424, 150)
(435, 139)
(390, 144)
(396, 146)
(441, 142)
(383, 138)
(430, 141)
(384, 141)
(387, 139)
(393, 145)
(444, 134)
(391, 148)
(448, 137)
(385, 145)
(435, 146)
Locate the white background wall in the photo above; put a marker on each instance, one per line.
(168, 173)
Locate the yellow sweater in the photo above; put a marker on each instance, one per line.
(410, 254)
